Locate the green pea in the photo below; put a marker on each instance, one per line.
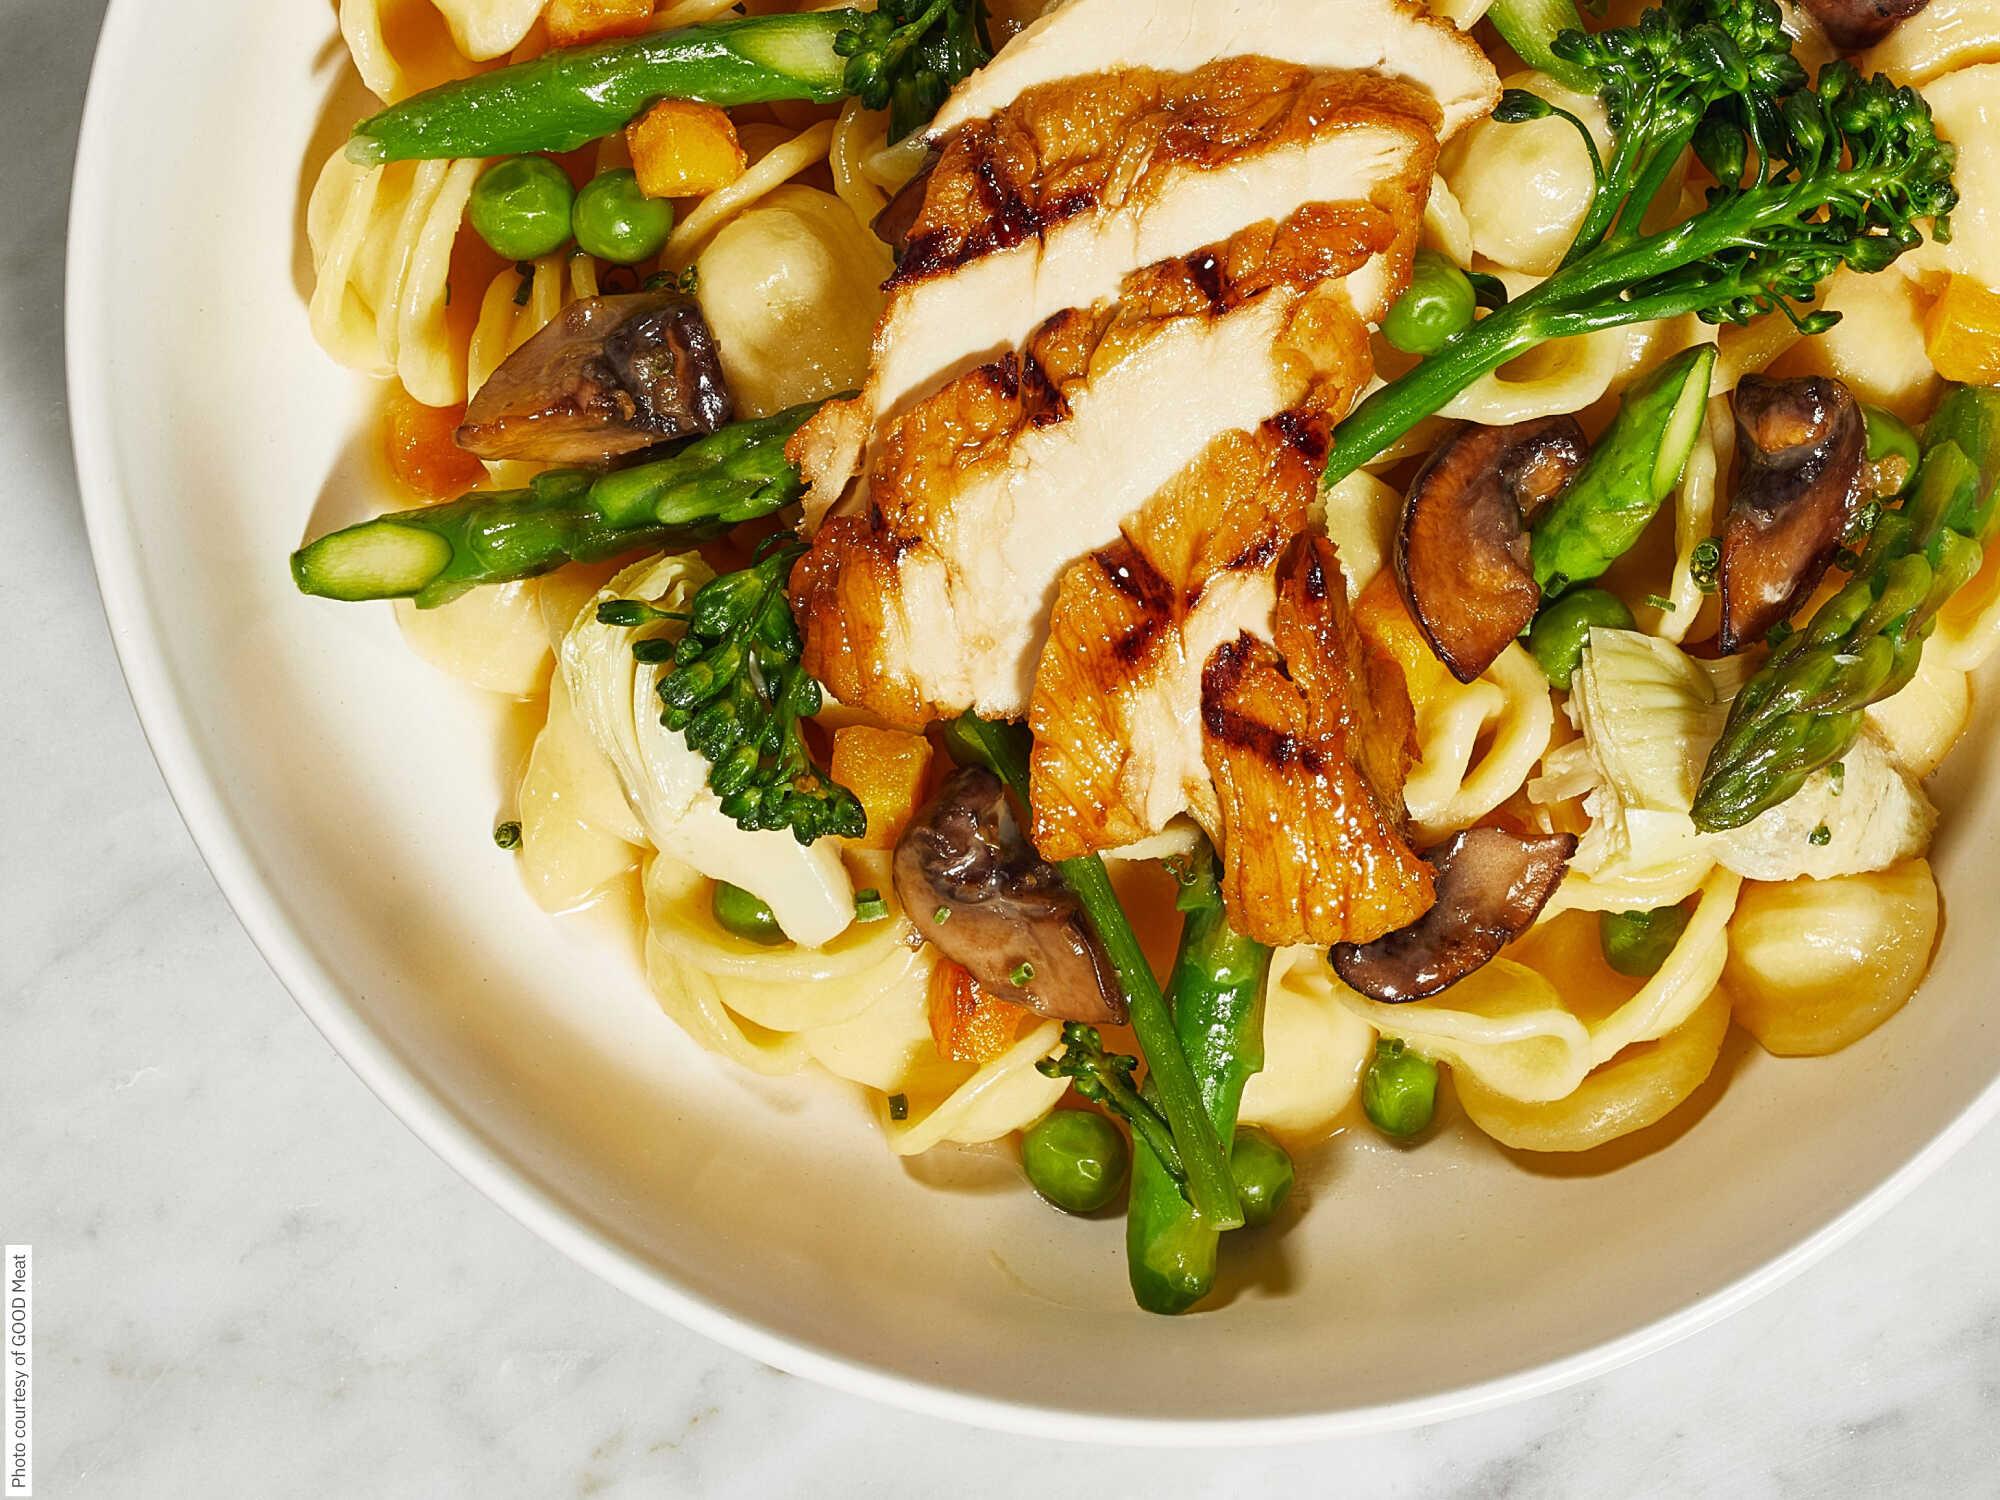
(1438, 303)
(614, 221)
(1399, 1090)
(1638, 942)
(1263, 1172)
(737, 911)
(521, 207)
(1076, 1159)
(1560, 630)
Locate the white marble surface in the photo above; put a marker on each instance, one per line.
(253, 1281)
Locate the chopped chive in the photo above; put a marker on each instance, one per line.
(1022, 975)
(1704, 563)
(869, 906)
(1838, 773)
(1661, 603)
(508, 835)
(1820, 837)
(899, 1106)
(942, 915)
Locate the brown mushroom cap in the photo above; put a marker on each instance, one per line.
(898, 217)
(1852, 25)
(1802, 443)
(1008, 918)
(1462, 552)
(1491, 885)
(609, 376)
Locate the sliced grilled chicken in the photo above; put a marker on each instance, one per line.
(1307, 745)
(1394, 38)
(935, 598)
(1050, 203)
(1116, 711)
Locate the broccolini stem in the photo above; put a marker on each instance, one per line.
(1216, 992)
(1210, 1187)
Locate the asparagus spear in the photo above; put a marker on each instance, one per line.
(565, 515)
(904, 53)
(1804, 708)
(1210, 1187)
(1614, 497)
(1217, 994)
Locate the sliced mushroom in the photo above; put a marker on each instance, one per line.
(898, 217)
(1799, 485)
(1491, 885)
(1462, 552)
(1852, 25)
(610, 376)
(976, 888)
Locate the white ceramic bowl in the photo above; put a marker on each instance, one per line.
(343, 794)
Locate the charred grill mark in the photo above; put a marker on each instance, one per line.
(1220, 680)
(1302, 435)
(1208, 277)
(1011, 219)
(1257, 555)
(1041, 402)
(1313, 583)
(1005, 373)
(1138, 580)
(1134, 644)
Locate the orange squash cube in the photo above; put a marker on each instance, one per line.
(1385, 623)
(968, 1024)
(885, 768)
(681, 149)
(574, 22)
(421, 444)
(1962, 332)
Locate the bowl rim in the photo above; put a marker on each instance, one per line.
(194, 788)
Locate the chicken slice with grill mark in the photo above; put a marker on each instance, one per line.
(935, 597)
(1394, 38)
(1116, 711)
(1307, 745)
(1050, 203)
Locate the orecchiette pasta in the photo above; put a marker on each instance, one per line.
(1479, 742)
(1964, 103)
(1817, 964)
(492, 638)
(1524, 188)
(401, 46)
(1923, 721)
(1944, 35)
(1626, 1094)
(1877, 347)
(791, 289)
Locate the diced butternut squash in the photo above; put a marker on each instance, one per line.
(1962, 333)
(421, 444)
(574, 22)
(1385, 623)
(885, 768)
(968, 1024)
(681, 149)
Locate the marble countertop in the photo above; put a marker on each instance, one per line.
(252, 1280)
